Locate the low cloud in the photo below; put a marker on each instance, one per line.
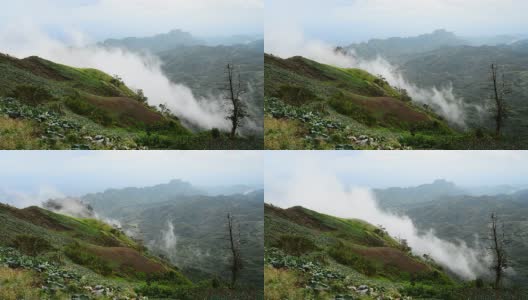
(291, 42)
(168, 239)
(139, 71)
(312, 188)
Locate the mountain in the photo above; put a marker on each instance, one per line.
(396, 196)
(200, 64)
(309, 105)
(467, 69)
(202, 68)
(310, 255)
(393, 48)
(455, 215)
(443, 59)
(194, 220)
(237, 39)
(45, 105)
(47, 255)
(157, 43)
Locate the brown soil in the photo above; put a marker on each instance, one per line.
(297, 65)
(128, 110)
(393, 257)
(34, 65)
(128, 259)
(297, 215)
(34, 215)
(391, 107)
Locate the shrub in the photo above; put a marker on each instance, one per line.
(344, 255)
(348, 108)
(295, 245)
(81, 256)
(215, 133)
(89, 110)
(31, 94)
(296, 95)
(30, 244)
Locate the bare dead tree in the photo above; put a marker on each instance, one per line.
(499, 90)
(235, 241)
(238, 109)
(497, 247)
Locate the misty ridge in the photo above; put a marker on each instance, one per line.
(178, 221)
(391, 58)
(441, 220)
(140, 66)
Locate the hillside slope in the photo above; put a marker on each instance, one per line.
(44, 105)
(309, 255)
(312, 105)
(198, 222)
(463, 217)
(314, 256)
(60, 257)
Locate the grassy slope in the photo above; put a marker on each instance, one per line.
(96, 105)
(302, 94)
(95, 239)
(360, 252)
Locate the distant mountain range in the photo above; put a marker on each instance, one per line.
(196, 216)
(200, 63)
(463, 213)
(442, 59)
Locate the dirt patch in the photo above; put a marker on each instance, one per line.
(34, 215)
(35, 66)
(393, 257)
(392, 108)
(298, 65)
(129, 111)
(128, 259)
(299, 216)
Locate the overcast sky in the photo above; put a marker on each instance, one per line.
(346, 21)
(37, 175)
(102, 19)
(399, 168)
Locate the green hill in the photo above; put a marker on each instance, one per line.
(44, 105)
(309, 255)
(309, 105)
(47, 255)
(315, 256)
(199, 223)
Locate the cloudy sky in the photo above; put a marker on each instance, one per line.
(345, 21)
(399, 168)
(101, 19)
(33, 176)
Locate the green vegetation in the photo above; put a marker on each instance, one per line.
(200, 223)
(61, 107)
(31, 245)
(336, 258)
(309, 105)
(44, 255)
(79, 255)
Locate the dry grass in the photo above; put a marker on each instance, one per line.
(17, 135)
(281, 284)
(282, 134)
(17, 284)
